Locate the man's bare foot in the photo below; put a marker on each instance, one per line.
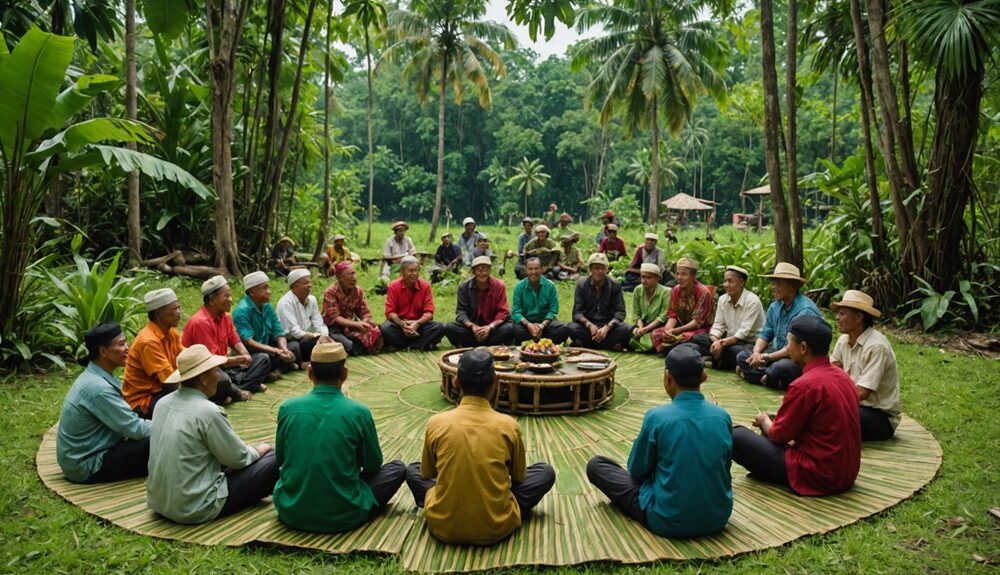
(227, 401)
(273, 376)
(263, 388)
(245, 395)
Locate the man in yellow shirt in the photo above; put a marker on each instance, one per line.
(473, 483)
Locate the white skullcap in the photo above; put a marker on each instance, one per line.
(254, 279)
(211, 284)
(296, 275)
(159, 298)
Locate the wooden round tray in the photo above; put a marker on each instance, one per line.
(566, 390)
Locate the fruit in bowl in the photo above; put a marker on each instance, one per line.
(541, 351)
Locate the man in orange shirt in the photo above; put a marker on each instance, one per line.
(153, 355)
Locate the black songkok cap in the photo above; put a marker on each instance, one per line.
(476, 364)
(812, 330)
(101, 335)
(685, 364)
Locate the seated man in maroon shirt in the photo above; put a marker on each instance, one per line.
(409, 311)
(612, 245)
(212, 326)
(481, 315)
(819, 413)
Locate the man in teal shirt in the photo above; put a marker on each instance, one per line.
(535, 306)
(678, 482)
(331, 477)
(768, 364)
(259, 326)
(100, 438)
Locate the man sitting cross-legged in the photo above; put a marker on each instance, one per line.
(100, 438)
(535, 307)
(409, 311)
(768, 362)
(599, 309)
(259, 326)
(481, 314)
(299, 315)
(738, 318)
(199, 469)
(678, 482)
(347, 313)
(153, 354)
(331, 477)
(819, 413)
(213, 327)
(866, 355)
(472, 482)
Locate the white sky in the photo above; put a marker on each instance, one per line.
(557, 45)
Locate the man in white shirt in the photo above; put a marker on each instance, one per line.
(299, 314)
(738, 318)
(866, 356)
(397, 246)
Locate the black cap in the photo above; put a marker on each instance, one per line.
(100, 335)
(685, 364)
(812, 330)
(476, 364)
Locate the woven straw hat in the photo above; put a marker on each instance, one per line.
(858, 300)
(786, 271)
(598, 259)
(194, 361)
(481, 261)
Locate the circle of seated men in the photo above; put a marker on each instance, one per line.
(166, 418)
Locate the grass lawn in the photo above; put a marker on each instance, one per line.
(944, 529)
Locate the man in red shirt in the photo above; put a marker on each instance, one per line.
(819, 413)
(612, 245)
(482, 316)
(212, 326)
(409, 310)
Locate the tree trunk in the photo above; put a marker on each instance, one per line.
(950, 184)
(261, 201)
(274, 184)
(833, 108)
(222, 63)
(371, 148)
(791, 138)
(324, 226)
(900, 187)
(867, 116)
(654, 169)
(439, 190)
(132, 112)
(772, 136)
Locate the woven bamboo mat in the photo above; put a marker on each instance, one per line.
(574, 524)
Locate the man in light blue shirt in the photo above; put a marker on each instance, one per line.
(768, 363)
(100, 438)
(199, 469)
(678, 482)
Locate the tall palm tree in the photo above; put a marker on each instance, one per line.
(655, 58)
(528, 175)
(443, 41)
(368, 15)
(640, 168)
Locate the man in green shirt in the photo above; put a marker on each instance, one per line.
(535, 306)
(199, 469)
(546, 250)
(331, 473)
(649, 304)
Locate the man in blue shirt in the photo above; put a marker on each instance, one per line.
(678, 482)
(768, 363)
(100, 438)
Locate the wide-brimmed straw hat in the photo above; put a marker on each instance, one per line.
(786, 271)
(400, 223)
(573, 237)
(481, 261)
(564, 217)
(194, 361)
(858, 300)
(542, 228)
(598, 258)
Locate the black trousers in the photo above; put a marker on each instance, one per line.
(250, 377)
(461, 336)
(537, 482)
(167, 389)
(779, 374)
(249, 485)
(126, 460)
(617, 338)
(727, 359)
(764, 459)
(615, 482)
(875, 424)
(352, 345)
(384, 483)
(557, 331)
(278, 364)
(429, 334)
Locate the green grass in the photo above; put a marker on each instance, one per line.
(939, 530)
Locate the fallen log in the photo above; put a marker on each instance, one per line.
(200, 272)
(155, 262)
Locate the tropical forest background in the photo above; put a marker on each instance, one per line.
(130, 129)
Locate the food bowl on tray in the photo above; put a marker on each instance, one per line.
(541, 351)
